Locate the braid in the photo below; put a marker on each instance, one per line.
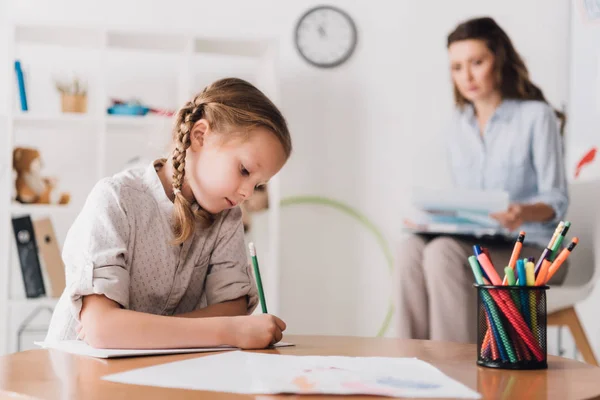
(181, 145)
(185, 213)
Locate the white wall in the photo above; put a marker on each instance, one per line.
(584, 101)
(584, 129)
(363, 132)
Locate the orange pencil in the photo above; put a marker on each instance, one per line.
(544, 269)
(558, 261)
(515, 254)
(486, 338)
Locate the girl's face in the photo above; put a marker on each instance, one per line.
(472, 69)
(222, 172)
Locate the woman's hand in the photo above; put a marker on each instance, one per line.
(257, 331)
(512, 218)
(517, 214)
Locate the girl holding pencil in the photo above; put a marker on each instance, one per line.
(504, 136)
(156, 257)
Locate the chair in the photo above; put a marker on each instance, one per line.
(584, 267)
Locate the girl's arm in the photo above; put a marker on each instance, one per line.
(225, 309)
(106, 325)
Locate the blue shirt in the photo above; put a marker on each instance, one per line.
(520, 152)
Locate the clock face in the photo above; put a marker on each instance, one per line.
(325, 36)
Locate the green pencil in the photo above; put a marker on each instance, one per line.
(261, 293)
(559, 239)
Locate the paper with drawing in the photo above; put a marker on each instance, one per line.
(257, 373)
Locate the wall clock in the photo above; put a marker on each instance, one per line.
(325, 36)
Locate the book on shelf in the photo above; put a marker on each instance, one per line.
(28, 257)
(36, 239)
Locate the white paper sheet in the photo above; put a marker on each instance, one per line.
(470, 202)
(257, 373)
(79, 347)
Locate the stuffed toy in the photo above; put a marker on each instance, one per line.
(259, 201)
(31, 187)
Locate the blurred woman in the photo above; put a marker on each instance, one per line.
(504, 136)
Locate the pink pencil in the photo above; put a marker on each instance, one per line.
(489, 269)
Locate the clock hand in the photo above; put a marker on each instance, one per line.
(322, 32)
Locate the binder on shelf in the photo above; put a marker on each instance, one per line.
(50, 253)
(28, 257)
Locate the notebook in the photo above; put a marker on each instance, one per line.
(79, 347)
(457, 212)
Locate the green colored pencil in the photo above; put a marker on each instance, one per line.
(261, 293)
(559, 239)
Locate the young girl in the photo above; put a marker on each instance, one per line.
(156, 258)
(504, 136)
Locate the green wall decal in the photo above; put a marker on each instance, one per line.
(365, 222)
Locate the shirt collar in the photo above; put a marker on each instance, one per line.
(157, 189)
(152, 180)
(504, 111)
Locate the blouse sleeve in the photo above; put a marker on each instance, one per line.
(95, 250)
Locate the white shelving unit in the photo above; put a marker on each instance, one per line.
(163, 70)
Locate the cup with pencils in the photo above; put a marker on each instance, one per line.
(511, 312)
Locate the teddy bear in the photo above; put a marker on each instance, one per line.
(259, 201)
(31, 187)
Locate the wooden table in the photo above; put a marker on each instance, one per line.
(49, 374)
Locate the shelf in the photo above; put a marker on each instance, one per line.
(39, 301)
(50, 120)
(146, 121)
(59, 36)
(39, 209)
(147, 42)
(90, 38)
(250, 48)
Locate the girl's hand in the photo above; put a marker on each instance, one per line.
(512, 218)
(257, 331)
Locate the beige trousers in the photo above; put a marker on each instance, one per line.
(435, 298)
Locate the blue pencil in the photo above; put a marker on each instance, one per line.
(524, 297)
